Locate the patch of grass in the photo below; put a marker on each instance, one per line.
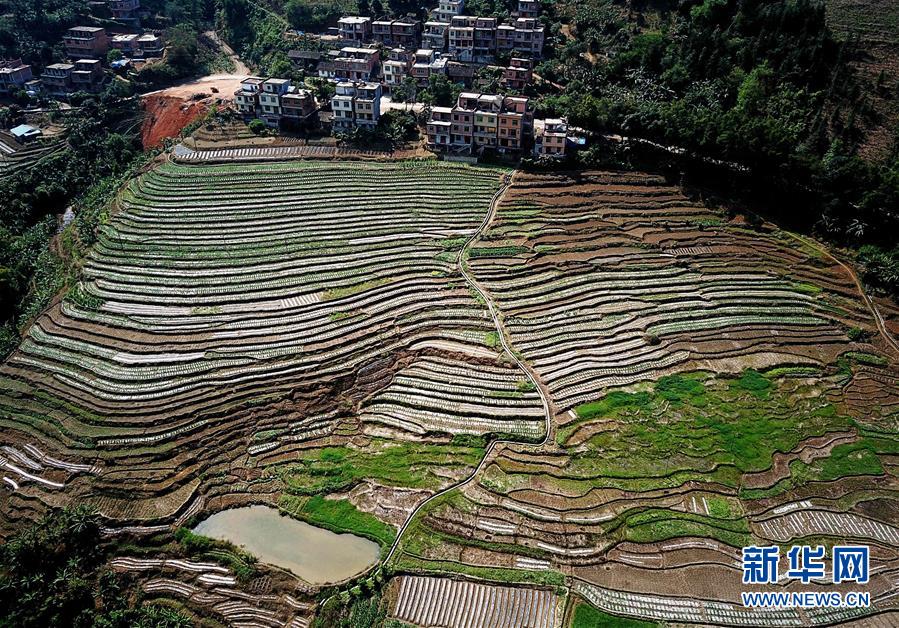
(338, 515)
(407, 562)
(866, 358)
(753, 382)
(395, 464)
(491, 339)
(586, 616)
(719, 507)
(347, 291)
(496, 251)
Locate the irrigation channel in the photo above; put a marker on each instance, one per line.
(503, 339)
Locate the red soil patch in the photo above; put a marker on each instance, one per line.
(166, 116)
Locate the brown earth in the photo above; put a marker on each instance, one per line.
(166, 116)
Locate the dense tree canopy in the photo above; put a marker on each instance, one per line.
(52, 574)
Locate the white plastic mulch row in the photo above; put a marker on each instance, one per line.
(445, 603)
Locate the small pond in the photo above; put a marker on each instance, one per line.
(316, 555)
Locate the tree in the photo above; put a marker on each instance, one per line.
(440, 91)
(257, 126)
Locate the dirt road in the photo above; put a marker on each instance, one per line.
(239, 66)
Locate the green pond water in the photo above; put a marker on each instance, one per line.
(316, 555)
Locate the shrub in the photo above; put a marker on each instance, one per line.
(256, 126)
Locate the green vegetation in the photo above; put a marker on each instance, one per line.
(492, 574)
(585, 616)
(100, 150)
(396, 464)
(693, 421)
(761, 84)
(52, 574)
(222, 552)
(338, 515)
(491, 339)
(881, 269)
(353, 610)
(496, 251)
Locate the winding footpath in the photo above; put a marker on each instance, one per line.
(872, 307)
(504, 342)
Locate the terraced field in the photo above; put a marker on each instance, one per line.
(373, 347)
(706, 396)
(15, 156)
(258, 305)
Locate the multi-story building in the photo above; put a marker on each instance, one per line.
(270, 99)
(448, 9)
(298, 108)
(57, 79)
(397, 66)
(87, 76)
(305, 59)
(350, 64)
(528, 37)
(460, 72)
(247, 97)
(461, 37)
(552, 138)
(127, 43)
(484, 45)
(150, 45)
(519, 74)
(125, 10)
(275, 101)
(86, 42)
(516, 123)
(427, 64)
(356, 104)
(405, 33)
(528, 8)
(13, 75)
(368, 104)
(435, 35)
(480, 121)
(354, 29)
(439, 127)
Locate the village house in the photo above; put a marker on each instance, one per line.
(435, 36)
(354, 29)
(528, 8)
(356, 104)
(270, 100)
(448, 9)
(480, 121)
(305, 59)
(125, 10)
(246, 99)
(552, 138)
(518, 74)
(350, 64)
(14, 75)
(397, 33)
(87, 75)
(397, 66)
(57, 79)
(439, 127)
(298, 108)
(126, 43)
(86, 42)
(150, 45)
(276, 102)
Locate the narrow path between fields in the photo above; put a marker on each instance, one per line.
(878, 318)
(504, 342)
